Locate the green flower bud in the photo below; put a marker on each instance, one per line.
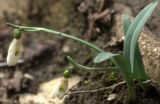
(17, 34)
(67, 73)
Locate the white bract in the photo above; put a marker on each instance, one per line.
(61, 88)
(14, 52)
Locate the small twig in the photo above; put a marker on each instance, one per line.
(96, 16)
(4, 64)
(96, 90)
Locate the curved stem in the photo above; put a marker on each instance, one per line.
(35, 29)
(74, 38)
(85, 68)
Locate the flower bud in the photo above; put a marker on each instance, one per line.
(17, 34)
(61, 88)
(14, 52)
(67, 73)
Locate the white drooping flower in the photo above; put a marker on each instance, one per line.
(14, 52)
(61, 88)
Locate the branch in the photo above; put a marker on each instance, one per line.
(4, 64)
(96, 90)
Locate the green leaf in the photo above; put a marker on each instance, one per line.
(103, 56)
(131, 30)
(139, 70)
(85, 68)
(130, 83)
(126, 24)
(134, 54)
(119, 60)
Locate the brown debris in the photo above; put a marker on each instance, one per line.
(104, 17)
(96, 11)
(14, 84)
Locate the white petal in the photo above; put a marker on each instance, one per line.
(14, 52)
(56, 89)
(61, 88)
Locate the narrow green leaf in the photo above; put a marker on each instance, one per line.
(131, 90)
(131, 30)
(126, 24)
(85, 68)
(103, 56)
(122, 63)
(136, 34)
(139, 70)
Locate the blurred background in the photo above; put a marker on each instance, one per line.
(44, 56)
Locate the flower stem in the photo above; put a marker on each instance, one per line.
(130, 85)
(53, 32)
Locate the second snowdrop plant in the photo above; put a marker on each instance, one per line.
(130, 63)
(60, 89)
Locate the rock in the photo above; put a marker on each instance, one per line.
(150, 49)
(111, 97)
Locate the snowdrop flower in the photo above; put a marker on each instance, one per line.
(14, 52)
(61, 88)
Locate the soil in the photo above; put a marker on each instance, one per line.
(45, 58)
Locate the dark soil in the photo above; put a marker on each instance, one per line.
(100, 97)
(44, 59)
